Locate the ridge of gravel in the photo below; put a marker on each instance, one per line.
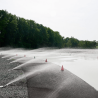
(14, 90)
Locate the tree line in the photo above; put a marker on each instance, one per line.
(24, 33)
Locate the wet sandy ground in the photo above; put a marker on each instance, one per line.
(46, 80)
(15, 90)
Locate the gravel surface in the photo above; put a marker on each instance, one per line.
(15, 90)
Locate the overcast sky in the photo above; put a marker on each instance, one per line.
(77, 18)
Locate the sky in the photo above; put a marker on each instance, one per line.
(71, 18)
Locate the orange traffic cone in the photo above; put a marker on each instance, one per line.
(24, 55)
(62, 69)
(46, 60)
(16, 54)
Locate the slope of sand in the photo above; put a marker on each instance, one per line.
(48, 81)
(15, 90)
